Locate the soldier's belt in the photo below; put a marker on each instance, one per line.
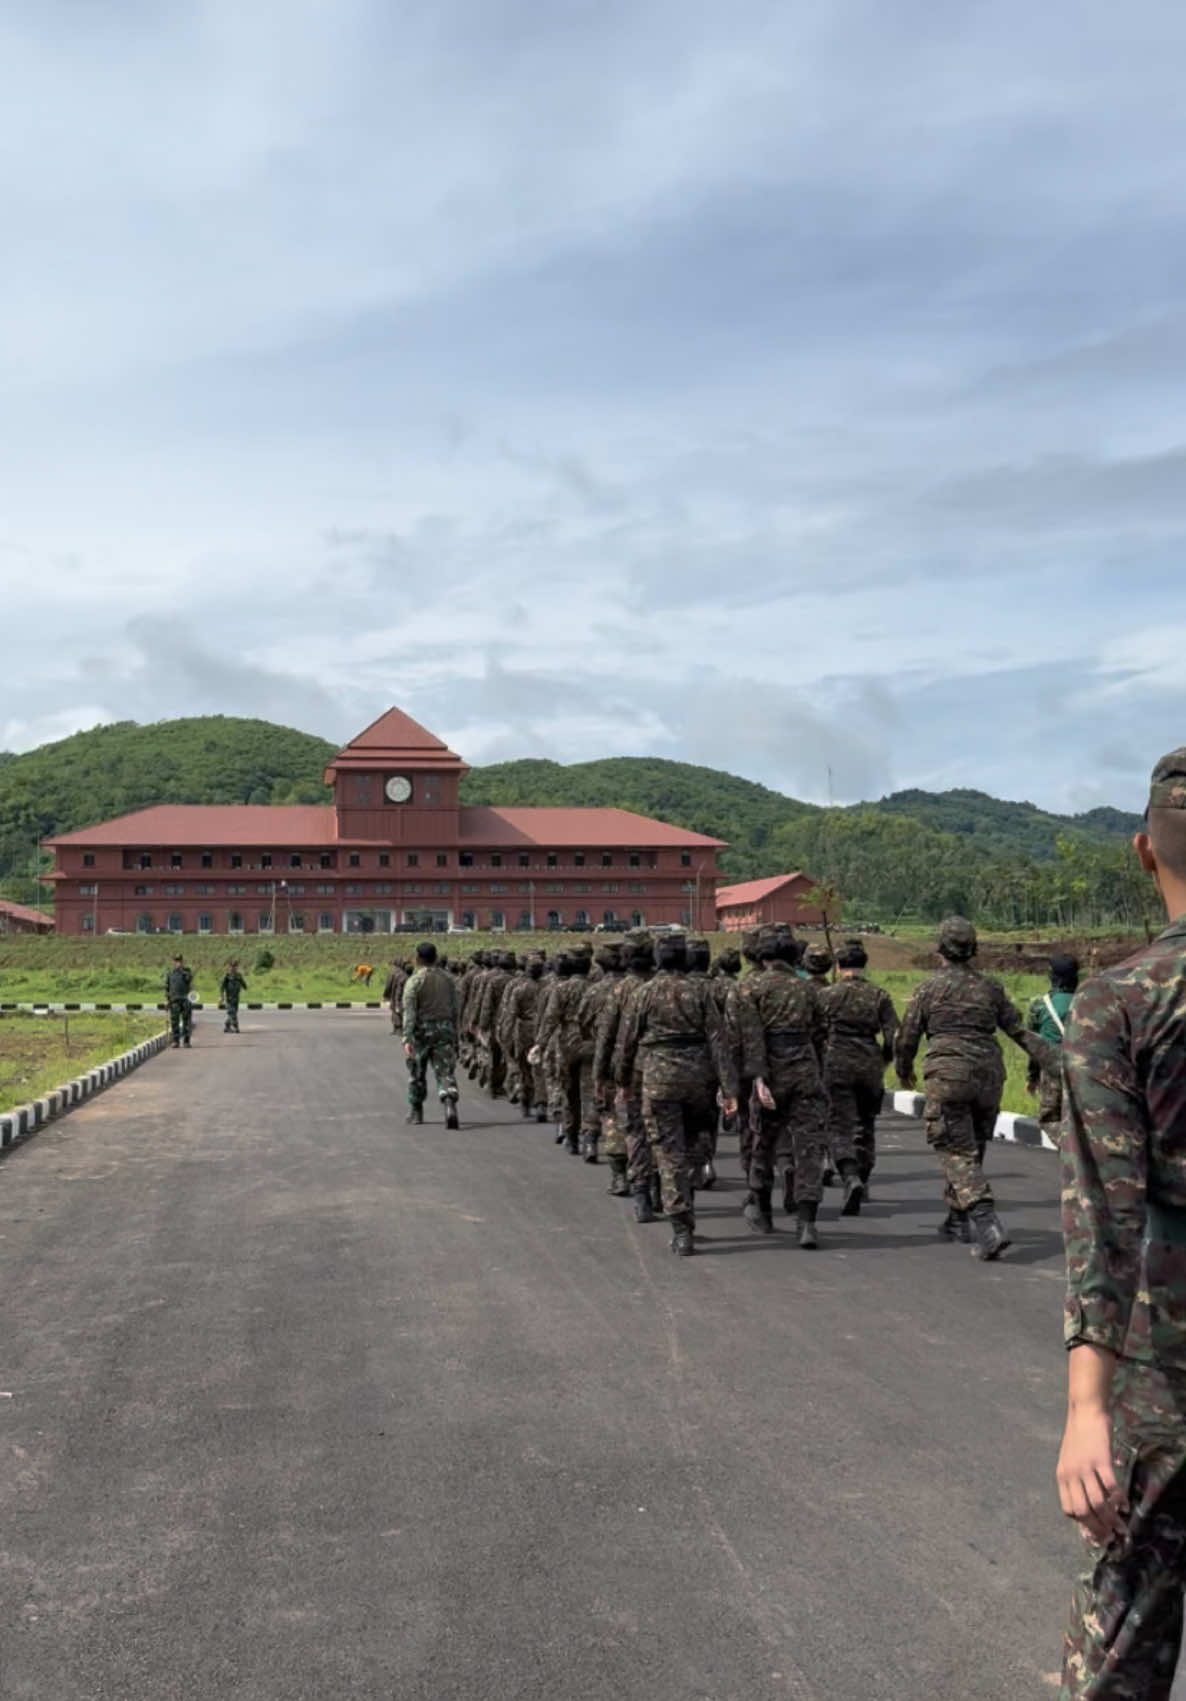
(1165, 1222)
(672, 1041)
(800, 1036)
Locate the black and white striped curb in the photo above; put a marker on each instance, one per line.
(120, 1009)
(26, 1119)
(1018, 1130)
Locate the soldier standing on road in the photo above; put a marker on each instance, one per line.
(519, 1015)
(179, 979)
(393, 992)
(674, 1028)
(1122, 1468)
(560, 1036)
(958, 1011)
(233, 986)
(430, 1034)
(862, 1024)
(626, 1143)
(1048, 1018)
(782, 1028)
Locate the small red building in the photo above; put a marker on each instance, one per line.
(395, 848)
(18, 918)
(781, 897)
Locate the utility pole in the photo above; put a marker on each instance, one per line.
(273, 928)
(95, 913)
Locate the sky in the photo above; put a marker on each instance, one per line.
(788, 388)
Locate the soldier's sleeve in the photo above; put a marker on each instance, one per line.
(604, 1035)
(549, 1017)
(888, 1018)
(723, 1055)
(909, 1035)
(630, 1032)
(819, 1023)
(453, 1010)
(1104, 1167)
(1009, 1021)
(752, 1035)
(411, 1005)
(1033, 1025)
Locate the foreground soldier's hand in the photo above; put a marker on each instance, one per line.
(765, 1096)
(908, 1082)
(729, 1107)
(407, 1048)
(1087, 1486)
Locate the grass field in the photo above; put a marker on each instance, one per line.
(39, 1053)
(131, 970)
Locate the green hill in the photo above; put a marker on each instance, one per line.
(912, 853)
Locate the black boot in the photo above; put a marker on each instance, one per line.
(681, 1235)
(560, 1135)
(989, 1238)
(788, 1192)
(808, 1238)
(643, 1211)
(708, 1173)
(955, 1227)
(525, 1111)
(572, 1145)
(619, 1184)
(589, 1148)
(854, 1191)
(656, 1186)
(541, 1114)
(757, 1211)
(415, 1115)
(451, 1114)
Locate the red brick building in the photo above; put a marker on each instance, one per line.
(781, 897)
(395, 848)
(19, 918)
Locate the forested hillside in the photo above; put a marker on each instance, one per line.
(913, 854)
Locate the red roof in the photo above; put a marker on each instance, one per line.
(203, 826)
(21, 912)
(753, 891)
(395, 740)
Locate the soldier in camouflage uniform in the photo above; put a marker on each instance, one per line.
(430, 1034)
(817, 964)
(560, 1035)
(862, 1024)
(699, 959)
(497, 980)
(179, 979)
(723, 983)
(959, 1011)
(782, 1033)
(393, 992)
(673, 1027)
(626, 1144)
(518, 1018)
(598, 993)
(1048, 1017)
(1122, 1467)
(231, 989)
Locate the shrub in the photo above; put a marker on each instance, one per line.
(265, 961)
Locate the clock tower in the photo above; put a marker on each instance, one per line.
(397, 784)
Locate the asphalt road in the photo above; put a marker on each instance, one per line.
(300, 1402)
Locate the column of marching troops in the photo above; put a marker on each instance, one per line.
(645, 1050)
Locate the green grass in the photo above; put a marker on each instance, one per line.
(39, 1053)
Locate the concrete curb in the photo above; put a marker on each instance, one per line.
(26, 1119)
(121, 1009)
(1017, 1130)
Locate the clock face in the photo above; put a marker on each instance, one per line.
(398, 788)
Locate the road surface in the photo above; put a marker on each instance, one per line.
(301, 1402)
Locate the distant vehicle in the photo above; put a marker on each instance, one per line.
(668, 927)
(118, 930)
(457, 927)
(612, 927)
(579, 927)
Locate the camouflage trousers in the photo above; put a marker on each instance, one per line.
(624, 1134)
(674, 1132)
(435, 1043)
(581, 1117)
(792, 1140)
(1125, 1630)
(1050, 1101)
(526, 1080)
(181, 1018)
(231, 1024)
(959, 1129)
(854, 1104)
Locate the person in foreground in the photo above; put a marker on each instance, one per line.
(1122, 1466)
(430, 1034)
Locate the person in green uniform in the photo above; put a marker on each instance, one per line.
(231, 989)
(179, 980)
(1047, 1016)
(430, 1034)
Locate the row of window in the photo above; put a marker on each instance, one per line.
(328, 859)
(236, 921)
(286, 891)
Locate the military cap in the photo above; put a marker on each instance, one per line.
(639, 939)
(957, 937)
(817, 959)
(1167, 787)
(749, 942)
(697, 943)
(582, 948)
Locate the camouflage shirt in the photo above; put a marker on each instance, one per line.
(857, 1013)
(1123, 1150)
(672, 1027)
(959, 1011)
(430, 996)
(781, 1018)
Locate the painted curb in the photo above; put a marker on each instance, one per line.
(123, 1009)
(26, 1119)
(1016, 1130)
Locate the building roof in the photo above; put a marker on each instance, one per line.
(395, 741)
(206, 826)
(754, 891)
(22, 912)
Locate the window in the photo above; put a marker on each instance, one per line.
(205, 891)
(206, 924)
(294, 860)
(174, 923)
(686, 917)
(637, 886)
(495, 859)
(384, 888)
(496, 889)
(441, 888)
(607, 860)
(326, 859)
(236, 859)
(685, 859)
(296, 922)
(88, 891)
(413, 859)
(88, 924)
(430, 790)
(207, 859)
(88, 859)
(638, 919)
(525, 921)
(442, 859)
(413, 886)
(325, 890)
(354, 860)
(582, 886)
(581, 918)
(469, 888)
(608, 886)
(142, 891)
(143, 924)
(467, 918)
(234, 922)
(553, 918)
(635, 860)
(497, 919)
(362, 791)
(265, 860)
(145, 859)
(385, 859)
(175, 859)
(552, 859)
(579, 859)
(524, 859)
(173, 891)
(352, 889)
(265, 921)
(554, 886)
(297, 891)
(608, 916)
(465, 859)
(236, 891)
(325, 922)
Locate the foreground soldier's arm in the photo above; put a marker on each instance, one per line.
(411, 1007)
(1104, 1160)
(1009, 1021)
(724, 1057)
(909, 1038)
(604, 1036)
(888, 1017)
(633, 1026)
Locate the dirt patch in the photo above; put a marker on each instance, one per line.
(1032, 957)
